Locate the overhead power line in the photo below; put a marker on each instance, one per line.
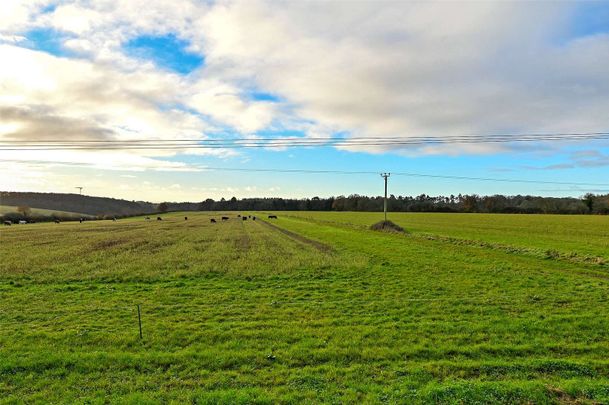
(290, 142)
(327, 138)
(407, 174)
(376, 173)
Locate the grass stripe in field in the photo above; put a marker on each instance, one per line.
(579, 235)
(550, 254)
(9, 209)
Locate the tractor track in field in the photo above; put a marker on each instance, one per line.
(546, 254)
(243, 241)
(322, 247)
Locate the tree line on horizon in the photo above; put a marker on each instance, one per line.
(102, 207)
(523, 204)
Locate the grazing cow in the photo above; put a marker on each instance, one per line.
(239, 216)
(253, 218)
(244, 218)
(22, 222)
(8, 223)
(213, 221)
(224, 218)
(249, 216)
(147, 218)
(80, 220)
(185, 218)
(159, 218)
(56, 221)
(114, 219)
(272, 216)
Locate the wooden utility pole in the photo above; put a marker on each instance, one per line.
(385, 176)
(79, 189)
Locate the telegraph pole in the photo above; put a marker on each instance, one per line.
(80, 189)
(385, 176)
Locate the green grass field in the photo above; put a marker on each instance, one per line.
(576, 236)
(9, 209)
(312, 307)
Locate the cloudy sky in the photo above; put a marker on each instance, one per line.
(166, 69)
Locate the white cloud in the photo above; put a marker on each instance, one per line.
(103, 160)
(364, 68)
(412, 69)
(225, 103)
(17, 15)
(372, 68)
(75, 19)
(12, 38)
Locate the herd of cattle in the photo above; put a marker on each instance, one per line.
(9, 223)
(244, 218)
(213, 220)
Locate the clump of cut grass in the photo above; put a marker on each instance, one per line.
(387, 226)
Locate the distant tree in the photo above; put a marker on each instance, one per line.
(589, 201)
(162, 207)
(24, 210)
(470, 203)
(233, 204)
(206, 205)
(601, 204)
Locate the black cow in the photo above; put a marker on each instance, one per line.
(80, 220)
(56, 221)
(249, 216)
(185, 218)
(213, 221)
(8, 223)
(253, 218)
(244, 218)
(239, 216)
(159, 218)
(272, 216)
(224, 218)
(147, 218)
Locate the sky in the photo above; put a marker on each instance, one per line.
(191, 69)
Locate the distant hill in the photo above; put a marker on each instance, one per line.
(97, 206)
(39, 212)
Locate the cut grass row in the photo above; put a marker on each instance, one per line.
(568, 235)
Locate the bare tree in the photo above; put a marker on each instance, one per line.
(24, 210)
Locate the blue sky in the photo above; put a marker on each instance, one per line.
(166, 51)
(256, 69)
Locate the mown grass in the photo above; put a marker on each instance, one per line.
(569, 235)
(243, 312)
